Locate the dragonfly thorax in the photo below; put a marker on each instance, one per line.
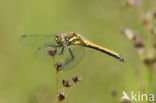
(73, 39)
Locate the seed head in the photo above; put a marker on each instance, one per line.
(76, 79)
(148, 60)
(66, 83)
(59, 66)
(139, 43)
(61, 96)
(52, 52)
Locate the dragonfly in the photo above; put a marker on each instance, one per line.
(70, 47)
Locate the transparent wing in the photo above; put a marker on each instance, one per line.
(41, 54)
(37, 40)
(66, 59)
(42, 43)
(69, 62)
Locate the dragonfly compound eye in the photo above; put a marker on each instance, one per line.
(59, 38)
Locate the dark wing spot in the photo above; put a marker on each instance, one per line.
(23, 36)
(38, 48)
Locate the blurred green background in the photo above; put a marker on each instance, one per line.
(23, 79)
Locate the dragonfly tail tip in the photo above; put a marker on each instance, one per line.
(121, 59)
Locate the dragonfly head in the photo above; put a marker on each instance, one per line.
(60, 38)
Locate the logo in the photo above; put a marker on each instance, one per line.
(138, 97)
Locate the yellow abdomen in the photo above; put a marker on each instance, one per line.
(102, 49)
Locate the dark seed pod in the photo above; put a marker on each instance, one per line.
(139, 44)
(76, 79)
(61, 96)
(66, 83)
(59, 66)
(52, 52)
(149, 61)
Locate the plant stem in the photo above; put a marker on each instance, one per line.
(149, 78)
(57, 87)
(57, 79)
(70, 90)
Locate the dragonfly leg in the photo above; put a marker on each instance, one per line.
(62, 51)
(71, 53)
(72, 57)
